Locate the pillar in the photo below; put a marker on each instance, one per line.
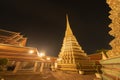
(41, 67)
(35, 66)
(16, 67)
(55, 65)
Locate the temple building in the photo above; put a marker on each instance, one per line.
(13, 47)
(20, 57)
(71, 54)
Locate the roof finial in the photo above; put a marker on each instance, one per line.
(68, 29)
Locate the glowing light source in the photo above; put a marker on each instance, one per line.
(48, 58)
(41, 54)
(31, 51)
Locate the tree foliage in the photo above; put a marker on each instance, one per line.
(101, 50)
(3, 61)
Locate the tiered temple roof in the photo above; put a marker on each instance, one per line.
(13, 38)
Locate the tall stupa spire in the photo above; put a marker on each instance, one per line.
(71, 52)
(68, 29)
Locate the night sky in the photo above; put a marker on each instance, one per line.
(43, 22)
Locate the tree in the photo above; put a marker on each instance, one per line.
(101, 50)
(3, 61)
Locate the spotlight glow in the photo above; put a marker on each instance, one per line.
(41, 54)
(31, 51)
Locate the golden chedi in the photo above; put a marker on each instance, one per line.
(71, 53)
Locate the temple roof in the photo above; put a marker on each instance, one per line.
(9, 37)
(7, 33)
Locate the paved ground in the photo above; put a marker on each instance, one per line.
(46, 75)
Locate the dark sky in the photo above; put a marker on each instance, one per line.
(43, 22)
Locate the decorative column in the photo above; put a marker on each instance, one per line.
(111, 65)
(115, 26)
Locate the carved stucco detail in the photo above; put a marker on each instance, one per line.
(115, 26)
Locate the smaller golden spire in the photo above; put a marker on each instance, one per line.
(68, 29)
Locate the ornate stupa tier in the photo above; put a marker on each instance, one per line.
(115, 26)
(71, 52)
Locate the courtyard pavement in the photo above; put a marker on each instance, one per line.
(46, 75)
